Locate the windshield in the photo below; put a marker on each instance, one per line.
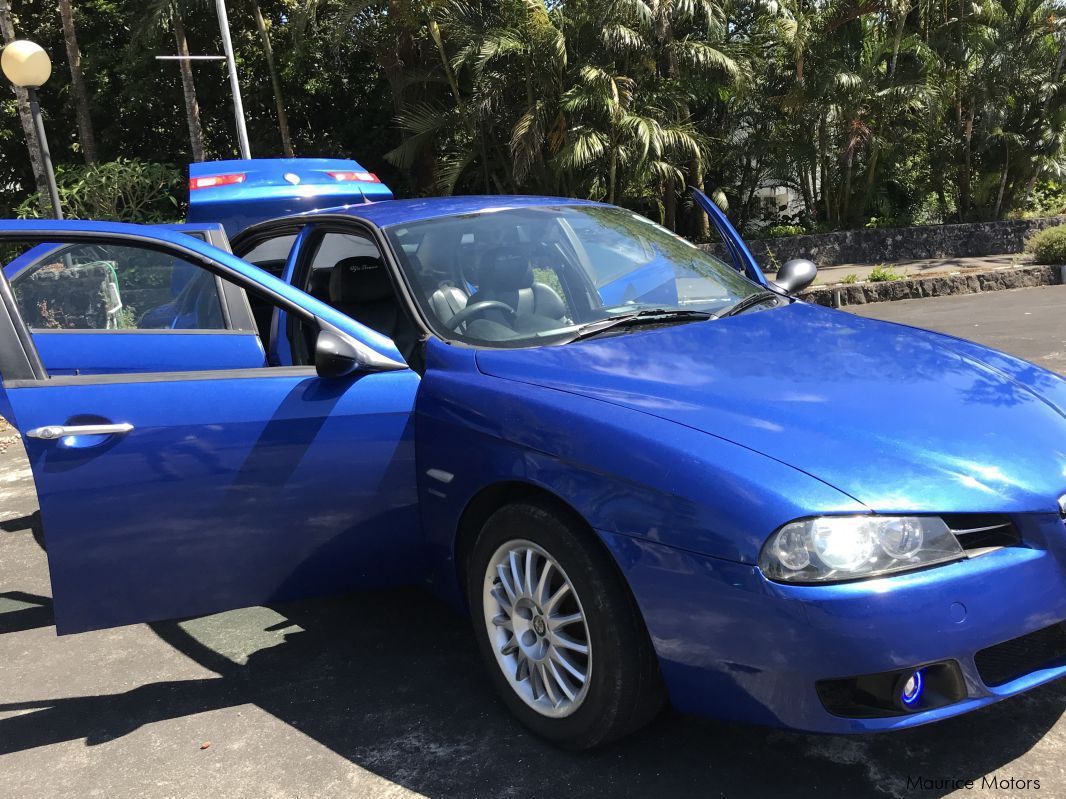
(527, 276)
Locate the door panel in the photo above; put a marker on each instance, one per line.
(743, 260)
(175, 493)
(71, 352)
(228, 491)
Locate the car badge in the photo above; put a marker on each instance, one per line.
(292, 178)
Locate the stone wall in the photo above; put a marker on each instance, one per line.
(892, 245)
(934, 286)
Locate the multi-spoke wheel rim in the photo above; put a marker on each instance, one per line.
(537, 628)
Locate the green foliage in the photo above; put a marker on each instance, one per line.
(1049, 245)
(123, 190)
(778, 231)
(882, 274)
(1048, 199)
(850, 278)
(880, 114)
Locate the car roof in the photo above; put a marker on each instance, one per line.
(399, 212)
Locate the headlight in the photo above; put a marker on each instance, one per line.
(834, 548)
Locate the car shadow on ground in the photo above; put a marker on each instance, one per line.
(391, 681)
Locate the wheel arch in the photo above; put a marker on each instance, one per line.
(491, 498)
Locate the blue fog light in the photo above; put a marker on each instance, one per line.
(911, 692)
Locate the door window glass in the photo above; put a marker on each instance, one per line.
(271, 254)
(115, 287)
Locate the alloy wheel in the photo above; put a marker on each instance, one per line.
(537, 628)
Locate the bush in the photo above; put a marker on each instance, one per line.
(778, 231)
(1049, 246)
(126, 190)
(882, 274)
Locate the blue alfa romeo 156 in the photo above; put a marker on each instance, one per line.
(649, 475)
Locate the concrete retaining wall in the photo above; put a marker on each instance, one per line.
(892, 245)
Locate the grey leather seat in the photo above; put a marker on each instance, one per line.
(360, 287)
(506, 275)
(447, 301)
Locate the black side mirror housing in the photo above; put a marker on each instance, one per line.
(796, 274)
(334, 355)
(337, 354)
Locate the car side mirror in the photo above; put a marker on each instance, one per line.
(796, 274)
(335, 355)
(338, 354)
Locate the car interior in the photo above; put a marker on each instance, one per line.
(456, 272)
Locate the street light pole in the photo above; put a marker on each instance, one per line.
(46, 156)
(235, 86)
(28, 66)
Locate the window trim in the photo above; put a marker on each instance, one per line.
(242, 373)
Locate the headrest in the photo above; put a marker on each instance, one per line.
(361, 278)
(505, 269)
(318, 285)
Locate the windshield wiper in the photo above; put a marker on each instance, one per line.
(750, 301)
(652, 316)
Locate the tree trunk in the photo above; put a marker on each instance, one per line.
(1002, 183)
(7, 30)
(826, 186)
(86, 136)
(965, 166)
(275, 81)
(670, 205)
(188, 87)
(453, 83)
(612, 169)
(703, 222)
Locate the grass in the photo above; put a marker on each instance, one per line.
(850, 278)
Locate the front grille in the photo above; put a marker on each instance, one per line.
(1012, 659)
(982, 530)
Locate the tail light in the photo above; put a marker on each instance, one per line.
(210, 181)
(364, 177)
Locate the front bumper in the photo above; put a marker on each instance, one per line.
(733, 645)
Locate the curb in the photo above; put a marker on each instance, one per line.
(1017, 277)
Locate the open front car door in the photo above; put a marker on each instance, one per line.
(198, 479)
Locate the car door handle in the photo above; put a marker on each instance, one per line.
(52, 432)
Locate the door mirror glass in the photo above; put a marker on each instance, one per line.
(796, 275)
(335, 355)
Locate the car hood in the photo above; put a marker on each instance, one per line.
(896, 417)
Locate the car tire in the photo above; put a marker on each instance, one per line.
(622, 689)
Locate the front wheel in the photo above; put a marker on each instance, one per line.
(559, 630)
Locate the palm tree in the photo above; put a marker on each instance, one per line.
(670, 46)
(275, 80)
(168, 13)
(86, 136)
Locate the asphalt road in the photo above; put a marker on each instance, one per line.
(381, 695)
(1029, 323)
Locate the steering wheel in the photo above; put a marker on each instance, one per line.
(478, 308)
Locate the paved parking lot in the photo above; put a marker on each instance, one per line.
(381, 695)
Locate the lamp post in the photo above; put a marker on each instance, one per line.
(235, 86)
(28, 66)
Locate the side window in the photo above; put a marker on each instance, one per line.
(115, 287)
(271, 254)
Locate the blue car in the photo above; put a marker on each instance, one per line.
(648, 475)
